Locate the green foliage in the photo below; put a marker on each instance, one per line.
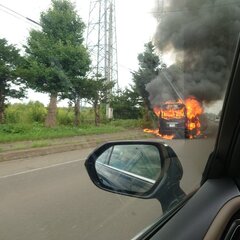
(41, 143)
(126, 105)
(10, 60)
(148, 69)
(22, 124)
(26, 113)
(56, 55)
(16, 113)
(20, 132)
(15, 128)
(128, 123)
(65, 116)
(62, 23)
(96, 91)
(36, 112)
(56, 59)
(11, 85)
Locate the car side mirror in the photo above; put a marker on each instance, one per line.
(143, 169)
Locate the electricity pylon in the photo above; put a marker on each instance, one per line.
(101, 41)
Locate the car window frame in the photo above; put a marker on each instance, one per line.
(222, 162)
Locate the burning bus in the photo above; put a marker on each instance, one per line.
(179, 118)
(173, 119)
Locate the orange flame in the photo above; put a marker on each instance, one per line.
(156, 132)
(170, 113)
(190, 109)
(194, 110)
(194, 107)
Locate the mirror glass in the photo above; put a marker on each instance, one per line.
(131, 168)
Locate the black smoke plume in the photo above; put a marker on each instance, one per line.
(203, 34)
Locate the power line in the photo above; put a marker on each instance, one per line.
(173, 86)
(125, 67)
(12, 12)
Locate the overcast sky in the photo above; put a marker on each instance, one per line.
(135, 27)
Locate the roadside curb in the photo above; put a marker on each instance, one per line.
(71, 146)
(34, 152)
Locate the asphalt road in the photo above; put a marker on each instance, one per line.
(52, 198)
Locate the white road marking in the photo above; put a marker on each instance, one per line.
(42, 168)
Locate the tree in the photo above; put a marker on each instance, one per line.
(78, 84)
(127, 104)
(76, 91)
(56, 56)
(149, 65)
(75, 94)
(10, 61)
(96, 91)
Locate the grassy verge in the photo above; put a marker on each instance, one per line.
(20, 132)
(127, 123)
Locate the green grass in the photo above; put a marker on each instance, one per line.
(20, 132)
(40, 143)
(127, 123)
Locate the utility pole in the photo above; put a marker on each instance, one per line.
(172, 85)
(159, 10)
(102, 43)
(159, 15)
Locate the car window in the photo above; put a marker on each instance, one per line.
(142, 160)
(77, 74)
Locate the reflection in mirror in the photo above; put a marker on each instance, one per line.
(131, 168)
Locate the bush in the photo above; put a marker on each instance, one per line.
(15, 128)
(87, 116)
(65, 116)
(16, 113)
(25, 113)
(21, 132)
(36, 112)
(127, 113)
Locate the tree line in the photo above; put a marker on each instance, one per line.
(55, 61)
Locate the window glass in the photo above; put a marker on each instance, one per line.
(143, 160)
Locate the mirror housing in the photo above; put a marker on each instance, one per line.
(147, 170)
